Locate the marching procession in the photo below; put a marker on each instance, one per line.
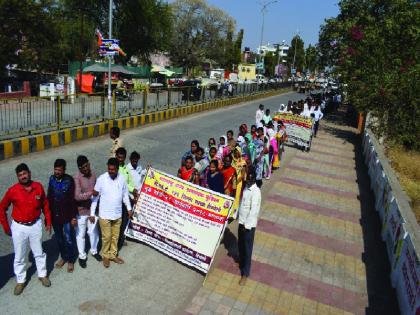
(99, 208)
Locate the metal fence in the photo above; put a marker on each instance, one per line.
(19, 117)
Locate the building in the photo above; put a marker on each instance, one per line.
(246, 71)
(283, 49)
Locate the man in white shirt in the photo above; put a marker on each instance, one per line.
(248, 218)
(317, 115)
(259, 115)
(111, 189)
(136, 170)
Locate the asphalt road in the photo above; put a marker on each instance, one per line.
(18, 116)
(149, 282)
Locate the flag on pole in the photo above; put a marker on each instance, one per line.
(109, 47)
(99, 34)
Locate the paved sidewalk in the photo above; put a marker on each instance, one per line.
(317, 248)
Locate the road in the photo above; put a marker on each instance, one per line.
(19, 116)
(149, 282)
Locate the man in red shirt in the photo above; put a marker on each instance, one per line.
(28, 199)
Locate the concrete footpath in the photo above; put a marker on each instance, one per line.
(317, 248)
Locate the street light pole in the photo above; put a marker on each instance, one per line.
(294, 59)
(263, 10)
(294, 56)
(109, 62)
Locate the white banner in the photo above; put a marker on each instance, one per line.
(180, 219)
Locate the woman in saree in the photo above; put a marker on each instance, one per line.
(254, 134)
(240, 167)
(249, 150)
(229, 176)
(211, 143)
(213, 156)
(194, 146)
(188, 173)
(223, 147)
(258, 161)
(215, 178)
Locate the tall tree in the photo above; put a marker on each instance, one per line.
(28, 38)
(296, 53)
(374, 45)
(270, 61)
(237, 54)
(200, 33)
(311, 59)
(143, 26)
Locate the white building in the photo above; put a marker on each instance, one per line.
(283, 49)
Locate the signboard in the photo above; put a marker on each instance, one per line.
(298, 128)
(293, 71)
(408, 287)
(180, 219)
(109, 47)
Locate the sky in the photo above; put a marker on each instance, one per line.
(282, 19)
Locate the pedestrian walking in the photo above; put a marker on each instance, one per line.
(248, 218)
(229, 176)
(317, 116)
(84, 183)
(215, 178)
(188, 172)
(64, 212)
(194, 146)
(259, 116)
(112, 191)
(117, 142)
(201, 165)
(230, 140)
(28, 200)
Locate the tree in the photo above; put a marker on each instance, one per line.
(270, 61)
(237, 55)
(142, 26)
(200, 34)
(296, 54)
(28, 38)
(374, 46)
(311, 59)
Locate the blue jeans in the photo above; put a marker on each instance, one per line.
(64, 236)
(245, 245)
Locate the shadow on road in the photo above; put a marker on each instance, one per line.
(6, 263)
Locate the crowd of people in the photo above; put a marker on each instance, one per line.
(86, 206)
(74, 207)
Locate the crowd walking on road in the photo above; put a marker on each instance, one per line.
(86, 207)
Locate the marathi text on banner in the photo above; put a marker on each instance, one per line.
(180, 219)
(298, 128)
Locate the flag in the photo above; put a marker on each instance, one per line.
(99, 34)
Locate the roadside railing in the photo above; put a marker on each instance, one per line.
(33, 115)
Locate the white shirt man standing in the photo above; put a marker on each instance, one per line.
(136, 170)
(248, 218)
(259, 115)
(112, 191)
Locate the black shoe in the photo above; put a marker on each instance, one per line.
(82, 263)
(97, 257)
